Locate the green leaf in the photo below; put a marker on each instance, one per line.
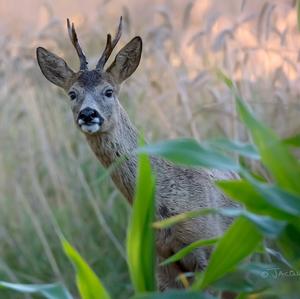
(275, 155)
(262, 199)
(238, 242)
(243, 149)
(252, 277)
(140, 236)
(188, 249)
(268, 226)
(49, 291)
(289, 243)
(174, 295)
(190, 152)
(88, 284)
(293, 141)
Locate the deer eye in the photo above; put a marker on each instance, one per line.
(108, 93)
(72, 95)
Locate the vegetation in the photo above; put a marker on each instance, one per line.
(51, 186)
(242, 261)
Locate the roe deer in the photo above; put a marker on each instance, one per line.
(100, 116)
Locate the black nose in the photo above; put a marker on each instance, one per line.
(88, 115)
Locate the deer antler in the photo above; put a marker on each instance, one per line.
(110, 45)
(74, 40)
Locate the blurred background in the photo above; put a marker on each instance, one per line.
(49, 178)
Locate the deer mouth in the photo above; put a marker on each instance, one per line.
(89, 127)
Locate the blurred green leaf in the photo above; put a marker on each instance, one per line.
(243, 149)
(49, 291)
(252, 277)
(275, 155)
(88, 284)
(174, 295)
(262, 199)
(140, 236)
(289, 243)
(243, 192)
(188, 249)
(190, 152)
(293, 141)
(268, 226)
(238, 242)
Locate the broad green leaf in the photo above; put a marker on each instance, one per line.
(174, 295)
(262, 199)
(238, 242)
(140, 236)
(275, 155)
(49, 291)
(88, 284)
(243, 149)
(188, 249)
(189, 152)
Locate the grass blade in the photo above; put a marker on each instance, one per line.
(188, 249)
(140, 236)
(88, 284)
(49, 291)
(168, 222)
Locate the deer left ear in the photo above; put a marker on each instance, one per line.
(54, 68)
(127, 60)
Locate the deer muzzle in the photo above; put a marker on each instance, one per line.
(89, 120)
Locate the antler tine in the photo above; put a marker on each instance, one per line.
(74, 40)
(110, 45)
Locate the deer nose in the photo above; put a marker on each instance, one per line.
(88, 115)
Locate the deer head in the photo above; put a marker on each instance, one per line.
(93, 93)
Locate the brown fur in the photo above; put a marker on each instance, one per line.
(178, 189)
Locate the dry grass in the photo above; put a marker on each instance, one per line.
(48, 178)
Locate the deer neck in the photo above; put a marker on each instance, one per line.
(109, 147)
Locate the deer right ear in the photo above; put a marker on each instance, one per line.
(54, 68)
(127, 60)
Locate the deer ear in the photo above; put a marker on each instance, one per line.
(127, 60)
(54, 68)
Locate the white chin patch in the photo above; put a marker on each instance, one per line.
(90, 129)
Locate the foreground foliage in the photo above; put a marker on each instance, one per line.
(260, 252)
